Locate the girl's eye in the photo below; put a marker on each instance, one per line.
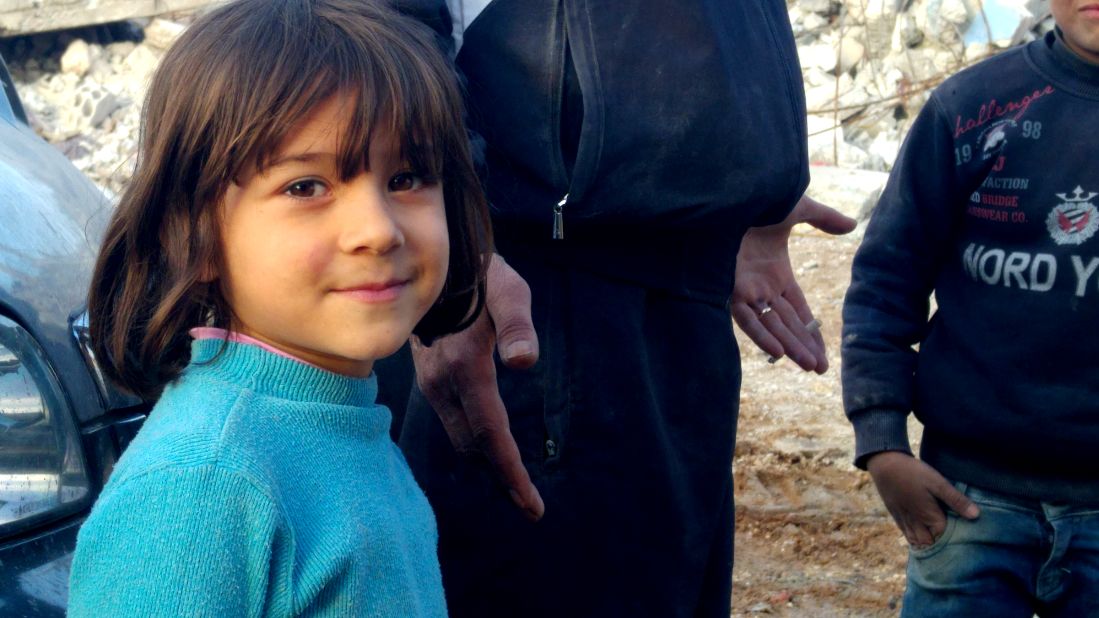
(303, 189)
(406, 181)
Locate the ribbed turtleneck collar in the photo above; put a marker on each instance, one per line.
(279, 376)
(1060, 64)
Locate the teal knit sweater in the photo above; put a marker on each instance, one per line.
(260, 486)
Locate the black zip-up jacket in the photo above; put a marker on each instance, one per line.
(692, 128)
(993, 205)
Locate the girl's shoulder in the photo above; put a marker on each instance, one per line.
(199, 424)
(186, 427)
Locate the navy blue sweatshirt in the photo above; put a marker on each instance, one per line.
(993, 206)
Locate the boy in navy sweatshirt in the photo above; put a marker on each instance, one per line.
(992, 206)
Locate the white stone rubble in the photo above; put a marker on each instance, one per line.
(868, 66)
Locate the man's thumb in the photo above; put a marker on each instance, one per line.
(515, 337)
(520, 352)
(827, 219)
(508, 304)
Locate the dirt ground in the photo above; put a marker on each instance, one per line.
(812, 538)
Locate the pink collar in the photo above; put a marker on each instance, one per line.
(209, 332)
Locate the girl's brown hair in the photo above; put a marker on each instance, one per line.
(223, 99)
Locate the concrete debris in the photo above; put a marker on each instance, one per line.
(77, 59)
(868, 67)
(90, 107)
(161, 33)
(853, 192)
(851, 53)
(141, 62)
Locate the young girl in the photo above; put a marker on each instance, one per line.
(303, 195)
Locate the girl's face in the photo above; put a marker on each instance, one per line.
(1079, 22)
(336, 273)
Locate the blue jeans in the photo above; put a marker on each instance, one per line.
(1019, 558)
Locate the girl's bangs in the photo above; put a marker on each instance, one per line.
(387, 101)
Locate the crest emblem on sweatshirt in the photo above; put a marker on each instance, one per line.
(994, 138)
(1075, 219)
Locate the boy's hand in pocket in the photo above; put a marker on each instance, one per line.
(914, 493)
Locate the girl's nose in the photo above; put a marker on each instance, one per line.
(367, 219)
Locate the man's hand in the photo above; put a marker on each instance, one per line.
(768, 304)
(457, 376)
(912, 491)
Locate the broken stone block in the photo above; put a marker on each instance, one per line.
(818, 56)
(907, 33)
(851, 53)
(852, 192)
(161, 33)
(142, 61)
(77, 58)
(88, 109)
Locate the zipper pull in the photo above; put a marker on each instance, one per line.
(559, 219)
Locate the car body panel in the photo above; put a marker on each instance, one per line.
(34, 578)
(52, 219)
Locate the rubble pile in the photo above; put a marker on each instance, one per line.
(83, 89)
(868, 66)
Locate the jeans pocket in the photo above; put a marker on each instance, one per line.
(948, 532)
(938, 544)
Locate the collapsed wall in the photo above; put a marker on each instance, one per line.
(868, 66)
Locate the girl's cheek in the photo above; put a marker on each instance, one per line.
(317, 257)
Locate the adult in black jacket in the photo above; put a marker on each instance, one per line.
(631, 150)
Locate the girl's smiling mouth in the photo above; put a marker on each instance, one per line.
(380, 292)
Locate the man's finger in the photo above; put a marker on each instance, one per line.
(508, 302)
(815, 341)
(491, 432)
(453, 419)
(826, 219)
(748, 322)
(780, 322)
(439, 392)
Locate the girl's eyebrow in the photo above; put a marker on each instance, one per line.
(305, 157)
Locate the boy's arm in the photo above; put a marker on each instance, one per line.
(885, 314)
(885, 311)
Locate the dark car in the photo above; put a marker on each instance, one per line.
(62, 426)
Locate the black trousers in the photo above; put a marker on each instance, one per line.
(627, 426)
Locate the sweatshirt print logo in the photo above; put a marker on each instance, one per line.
(994, 138)
(1075, 219)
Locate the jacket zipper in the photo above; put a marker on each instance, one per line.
(559, 218)
(559, 209)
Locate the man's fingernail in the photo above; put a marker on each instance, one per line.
(518, 349)
(972, 511)
(516, 498)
